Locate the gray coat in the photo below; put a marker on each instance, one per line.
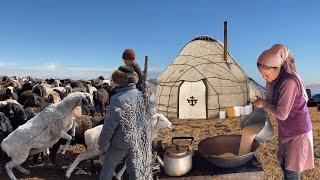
(112, 133)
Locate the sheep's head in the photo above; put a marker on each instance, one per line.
(27, 86)
(15, 84)
(12, 93)
(10, 109)
(87, 105)
(2, 117)
(54, 97)
(5, 79)
(5, 123)
(29, 99)
(56, 83)
(87, 86)
(159, 121)
(15, 111)
(87, 124)
(9, 91)
(106, 82)
(68, 89)
(39, 90)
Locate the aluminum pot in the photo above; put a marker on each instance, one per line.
(177, 160)
(211, 147)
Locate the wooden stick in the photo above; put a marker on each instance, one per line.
(145, 74)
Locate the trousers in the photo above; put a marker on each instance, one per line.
(287, 174)
(113, 158)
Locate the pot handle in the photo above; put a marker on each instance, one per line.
(179, 138)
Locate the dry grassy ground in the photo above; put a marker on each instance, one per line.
(266, 154)
(199, 129)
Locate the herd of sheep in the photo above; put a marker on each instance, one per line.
(37, 116)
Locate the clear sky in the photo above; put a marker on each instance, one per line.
(85, 38)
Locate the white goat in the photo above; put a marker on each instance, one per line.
(90, 89)
(105, 82)
(91, 136)
(56, 83)
(42, 131)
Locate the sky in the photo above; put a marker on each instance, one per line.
(85, 39)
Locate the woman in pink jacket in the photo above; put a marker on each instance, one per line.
(287, 101)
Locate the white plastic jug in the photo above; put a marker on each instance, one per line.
(249, 109)
(242, 110)
(237, 111)
(222, 114)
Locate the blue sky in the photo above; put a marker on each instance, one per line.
(83, 39)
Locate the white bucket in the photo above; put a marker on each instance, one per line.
(222, 114)
(249, 109)
(237, 111)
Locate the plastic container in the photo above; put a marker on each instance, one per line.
(230, 112)
(242, 110)
(222, 114)
(237, 111)
(248, 109)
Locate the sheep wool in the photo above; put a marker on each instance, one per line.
(43, 130)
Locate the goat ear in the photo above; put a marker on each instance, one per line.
(155, 116)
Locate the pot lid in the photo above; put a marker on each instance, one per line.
(177, 151)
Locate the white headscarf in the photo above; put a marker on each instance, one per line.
(279, 55)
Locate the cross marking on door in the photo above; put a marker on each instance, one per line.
(192, 101)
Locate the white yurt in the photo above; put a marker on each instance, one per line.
(199, 82)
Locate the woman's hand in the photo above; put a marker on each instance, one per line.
(260, 103)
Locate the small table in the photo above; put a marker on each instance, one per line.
(203, 170)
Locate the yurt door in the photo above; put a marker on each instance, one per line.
(192, 100)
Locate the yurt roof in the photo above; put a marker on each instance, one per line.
(202, 58)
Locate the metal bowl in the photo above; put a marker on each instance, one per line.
(259, 116)
(211, 147)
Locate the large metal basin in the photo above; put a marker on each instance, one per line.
(211, 147)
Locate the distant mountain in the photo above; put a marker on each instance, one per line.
(153, 75)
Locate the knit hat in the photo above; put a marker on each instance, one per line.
(125, 75)
(129, 54)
